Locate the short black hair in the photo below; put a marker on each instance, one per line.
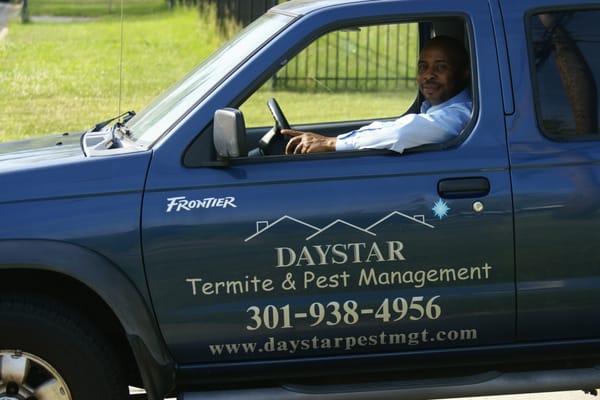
(455, 45)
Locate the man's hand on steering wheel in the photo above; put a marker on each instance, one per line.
(308, 142)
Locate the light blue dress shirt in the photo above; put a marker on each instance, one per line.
(435, 124)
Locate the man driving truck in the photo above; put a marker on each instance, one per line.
(443, 75)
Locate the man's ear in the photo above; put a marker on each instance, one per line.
(467, 74)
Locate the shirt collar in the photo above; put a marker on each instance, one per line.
(462, 97)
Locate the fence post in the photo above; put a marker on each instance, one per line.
(24, 12)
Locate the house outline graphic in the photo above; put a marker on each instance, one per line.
(264, 226)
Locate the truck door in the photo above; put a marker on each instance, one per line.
(555, 149)
(365, 252)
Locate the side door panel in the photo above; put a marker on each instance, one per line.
(290, 261)
(337, 254)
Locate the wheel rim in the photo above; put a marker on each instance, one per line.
(24, 376)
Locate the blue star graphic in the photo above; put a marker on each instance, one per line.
(440, 209)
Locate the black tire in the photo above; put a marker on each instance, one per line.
(50, 350)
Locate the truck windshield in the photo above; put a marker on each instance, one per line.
(171, 106)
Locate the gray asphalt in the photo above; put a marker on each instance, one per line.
(575, 395)
(572, 395)
(7, 12)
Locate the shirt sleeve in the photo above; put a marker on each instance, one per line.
(408, 131)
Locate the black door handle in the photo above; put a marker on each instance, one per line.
(454, 188)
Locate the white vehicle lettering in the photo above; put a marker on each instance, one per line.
(181, 203)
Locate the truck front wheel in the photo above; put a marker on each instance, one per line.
(49, 351)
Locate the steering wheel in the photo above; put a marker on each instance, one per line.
(280, 120)
(273, 142)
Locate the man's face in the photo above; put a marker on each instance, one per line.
(439, 74)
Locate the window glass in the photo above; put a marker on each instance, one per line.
(167, 109)
(566, 62)
(346, 75)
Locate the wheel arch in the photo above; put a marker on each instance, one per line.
(84, 279)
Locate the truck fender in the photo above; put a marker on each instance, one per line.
(101, 276)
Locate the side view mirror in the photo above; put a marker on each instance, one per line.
(229, 133)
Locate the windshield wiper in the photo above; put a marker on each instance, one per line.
(126, 117)
(115, 138)
(98, 139)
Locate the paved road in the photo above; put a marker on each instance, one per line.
(573, 395)
(540, 396)
(7, 11)
(579, 395)
(576, 395)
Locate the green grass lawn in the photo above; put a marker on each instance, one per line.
(64, 76)
(306, 108)
(57, 77)
(94, 8)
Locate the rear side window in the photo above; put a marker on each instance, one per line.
(565, 48)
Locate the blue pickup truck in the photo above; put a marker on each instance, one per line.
(180, 250)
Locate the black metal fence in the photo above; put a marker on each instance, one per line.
(369, 58)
